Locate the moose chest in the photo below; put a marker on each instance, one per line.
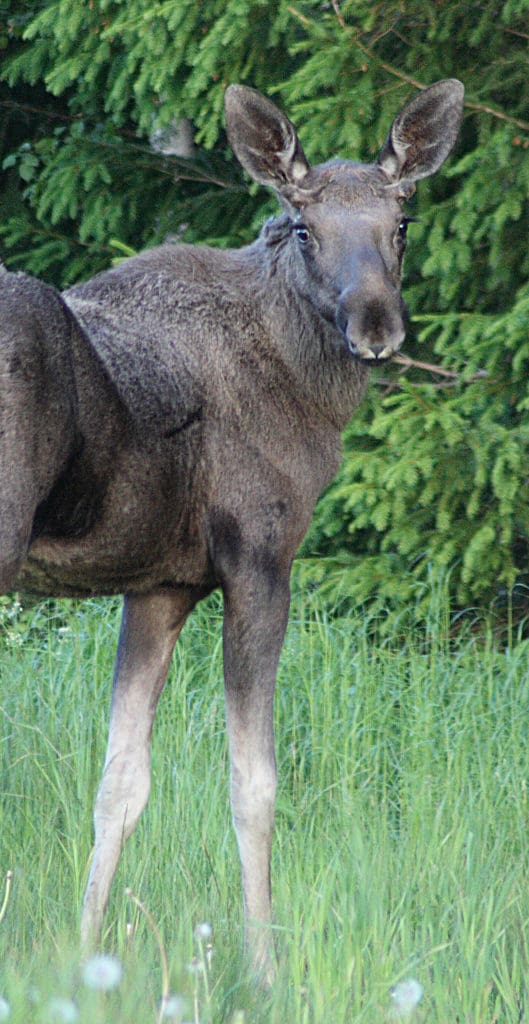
(266, 467)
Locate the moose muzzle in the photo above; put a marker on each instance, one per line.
(373, 324)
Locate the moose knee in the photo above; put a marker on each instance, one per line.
(253, 796)
(123, 793)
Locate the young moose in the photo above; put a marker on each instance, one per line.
(166, 429)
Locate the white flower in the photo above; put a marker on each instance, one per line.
(102, 972)
(63, 1011)
(203, 932)
(196, 966)
(5, 1009)
(173, 1008)
(406, 996)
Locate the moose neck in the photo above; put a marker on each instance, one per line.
(312, 348)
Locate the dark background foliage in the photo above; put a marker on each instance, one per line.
(434, 478)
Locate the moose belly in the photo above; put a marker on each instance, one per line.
(67, 570)
(50, 571)
(123, 552)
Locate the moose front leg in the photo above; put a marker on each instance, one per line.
(255, 618)
(149, 629)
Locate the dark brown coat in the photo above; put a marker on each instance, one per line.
(167, 427)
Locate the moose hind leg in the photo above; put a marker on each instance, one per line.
(37, 415)
(150, 626)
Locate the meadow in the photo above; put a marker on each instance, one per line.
(401, 847)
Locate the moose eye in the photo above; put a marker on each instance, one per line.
(402, 229)
(302, 233)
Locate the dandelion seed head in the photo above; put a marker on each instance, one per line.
(173, 1008)
(406, 996)
(61, 1011)
(196, 966)
(203, 932)
(5, 1009)
(102, 972)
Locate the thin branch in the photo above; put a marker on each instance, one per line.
(452, 376)
(403, 77)
(389, 67)
(337, 12)
(172, 167)
(396, 385)
(28, 108)
(407, 362)
(55, 115)
(482, 108)
(498, 113)
(469, 104)
(514, 32)
(301, 17)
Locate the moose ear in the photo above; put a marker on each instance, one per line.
(263, 139)
(424, 132)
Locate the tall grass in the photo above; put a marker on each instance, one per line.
(401, 841)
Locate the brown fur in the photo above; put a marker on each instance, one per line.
(167, 427)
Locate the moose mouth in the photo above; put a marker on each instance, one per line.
(375, 334)
(376, 354)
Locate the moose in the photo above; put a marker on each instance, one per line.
(167, 427)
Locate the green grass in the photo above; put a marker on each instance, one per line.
(401, 844)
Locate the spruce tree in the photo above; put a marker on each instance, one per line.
(434, 474)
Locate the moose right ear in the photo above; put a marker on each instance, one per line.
(424, 133)
(264, 140)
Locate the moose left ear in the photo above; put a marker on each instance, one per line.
(424, 132)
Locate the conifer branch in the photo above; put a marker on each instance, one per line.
(390, 69)
(29, 108)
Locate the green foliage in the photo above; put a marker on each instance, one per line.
(401, 834)
(434, 464)
(438, 474)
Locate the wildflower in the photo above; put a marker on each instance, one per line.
(406, 996)
(173, 1008)
(61, 1011)
(203, 932)
(196, 966)
(5, 1009)
(102, 972)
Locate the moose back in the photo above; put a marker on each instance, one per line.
(167, 427)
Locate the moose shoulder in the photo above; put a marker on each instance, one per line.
(167, 427)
